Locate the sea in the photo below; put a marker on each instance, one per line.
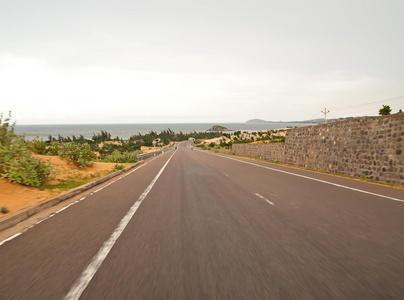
(125, 131)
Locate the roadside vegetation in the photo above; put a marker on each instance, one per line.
(18, 163)
(226, 141)
(386, 110)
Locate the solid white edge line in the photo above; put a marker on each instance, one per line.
(77, 201)
(311, 178)
(82, 282)
(10, 238)
(263, 198)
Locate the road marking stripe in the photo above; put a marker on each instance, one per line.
(62, 209)
(50, 216)
(263, 198)
(311, 178)
(88, 273)
(10, 238)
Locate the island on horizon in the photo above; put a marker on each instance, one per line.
(218, 128)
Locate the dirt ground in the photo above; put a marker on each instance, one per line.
(17, 197)
(150, 149)
(145, 149)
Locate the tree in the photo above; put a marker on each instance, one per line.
(386, 110)
(400, 111)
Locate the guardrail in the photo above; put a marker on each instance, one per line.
(144, 156)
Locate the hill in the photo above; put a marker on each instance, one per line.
(218, 128)
(313, 121)
(258, 121)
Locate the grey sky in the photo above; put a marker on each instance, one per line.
(198, 61)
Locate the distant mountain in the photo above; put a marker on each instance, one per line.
(313, 121)
(258, 121)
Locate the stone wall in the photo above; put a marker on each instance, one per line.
(368, 147)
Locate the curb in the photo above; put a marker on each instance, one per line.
(55, 200)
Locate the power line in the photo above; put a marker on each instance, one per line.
(358, 107)
(314, 116)
(368, 103)
(366, 108)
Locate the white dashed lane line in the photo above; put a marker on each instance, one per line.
(81, 283)
(265, 199)
(310, 178)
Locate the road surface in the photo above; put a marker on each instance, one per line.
(191, 224)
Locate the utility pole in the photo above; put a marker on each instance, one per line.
(325, 115)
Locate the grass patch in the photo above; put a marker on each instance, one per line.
(74, 181)
(119, 167)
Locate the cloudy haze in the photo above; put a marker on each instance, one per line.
(198, 61)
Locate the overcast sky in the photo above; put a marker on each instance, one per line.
(177, 61)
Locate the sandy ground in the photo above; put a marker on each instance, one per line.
(280, 132)
(17, 197)
(145, 149)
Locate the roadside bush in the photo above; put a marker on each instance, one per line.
(228, 145)
(25, 169)
(39, 146)
(78, 154)
(278, 139)
(119, 167)
(54, 148)
(123, 146)
(7, 137)
(118, 157)
(17, 164)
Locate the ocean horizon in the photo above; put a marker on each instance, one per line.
(125, 131)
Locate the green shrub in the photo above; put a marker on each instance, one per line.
(78, 154)
(54, 148)
(385, 110)
(17, 164)
(7, 137)
(103, 136)
(25, 169)
(118, 157)
(119, 167)
(39, 146)
(123, 146)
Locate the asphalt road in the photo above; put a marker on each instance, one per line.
(195, 225)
